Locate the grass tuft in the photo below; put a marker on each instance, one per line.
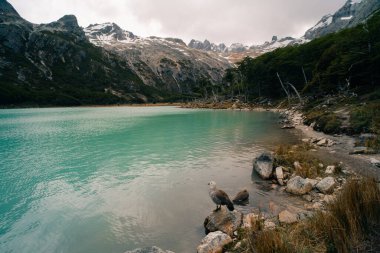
(286, 155)
(351, 223)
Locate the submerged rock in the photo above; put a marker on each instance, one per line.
(299, 186)
(214, 242)
(223, 220)
(326, 185)
(263, 165)
(153, 249)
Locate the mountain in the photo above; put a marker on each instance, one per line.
(164, 63)
(61, 63)
(238, 51)
(351, 14)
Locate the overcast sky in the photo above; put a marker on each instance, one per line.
(228, 21)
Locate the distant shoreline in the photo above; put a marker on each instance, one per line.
(93, 106)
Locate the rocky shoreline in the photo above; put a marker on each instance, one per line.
(224, 228)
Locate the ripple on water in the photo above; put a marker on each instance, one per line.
(113, 179)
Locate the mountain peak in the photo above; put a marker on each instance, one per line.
(7, 9)
(352, 13)
(108, 32)
(69, 20)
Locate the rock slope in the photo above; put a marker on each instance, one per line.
(61, 63)
(164, 63)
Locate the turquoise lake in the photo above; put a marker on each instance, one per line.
(114, 179)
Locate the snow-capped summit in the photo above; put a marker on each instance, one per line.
(108, 33)
(351, 14)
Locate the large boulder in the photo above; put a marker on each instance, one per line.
(153, 249)
(326, 185)
(299, 186)
(214, 242)
(263, 165)
(223, 220)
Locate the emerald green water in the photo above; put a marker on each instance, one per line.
(113, 179)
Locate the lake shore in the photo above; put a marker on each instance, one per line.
(343, 148)
(329, 149)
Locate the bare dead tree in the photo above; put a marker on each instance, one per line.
(295, 90)
(304, 75)
(283, 87)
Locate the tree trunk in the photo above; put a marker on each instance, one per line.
(283, 87)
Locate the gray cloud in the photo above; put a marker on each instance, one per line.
(228, 21)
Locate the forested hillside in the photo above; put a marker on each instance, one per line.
(344, 61)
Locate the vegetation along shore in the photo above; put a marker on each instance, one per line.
(324, 86)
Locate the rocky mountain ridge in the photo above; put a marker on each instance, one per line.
(62, 63)
(159, 60)
(352, 13)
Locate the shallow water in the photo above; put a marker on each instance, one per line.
(113, 179)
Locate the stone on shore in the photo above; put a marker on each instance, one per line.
(153, 249)
(287, 126)
(326, 185)
(375, 162)
(313, 182)
(297, 166)
(223, 220)
(330, 169)
(263, 165)
(299, 186)
(249, 220)
(214, 242)
(362, 150)
(280, 175)
(269, 225)
(287, 217)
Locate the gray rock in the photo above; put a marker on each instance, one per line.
(223, 220)
(263, 165)
(214, 242)
(287, 217)
(299, 186)
(153, 249)
(326, 185)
